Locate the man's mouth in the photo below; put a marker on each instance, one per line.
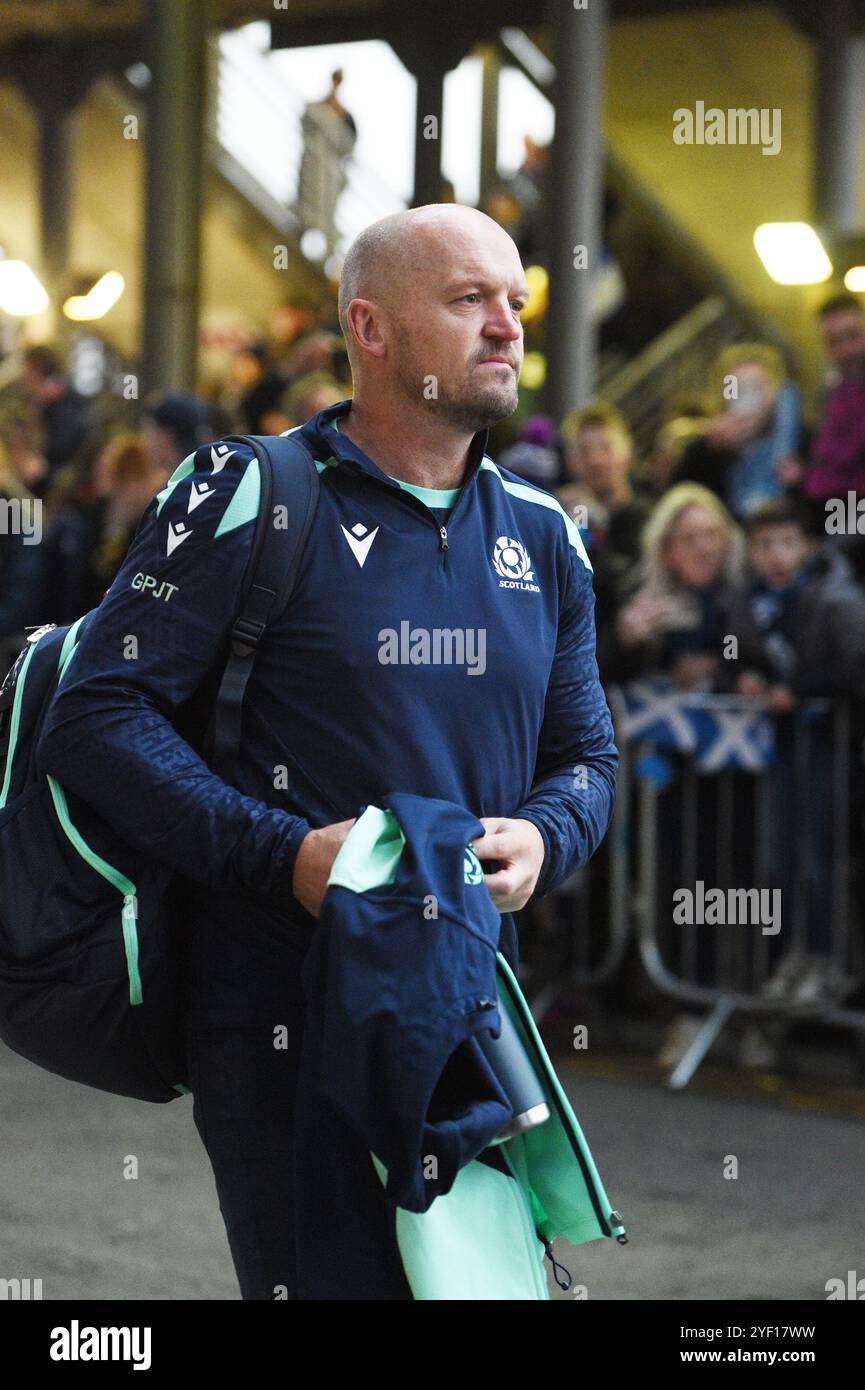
(504, 361)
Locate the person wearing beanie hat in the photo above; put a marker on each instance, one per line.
(172, 426)
(535, 456)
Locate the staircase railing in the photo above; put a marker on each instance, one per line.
(673, 364)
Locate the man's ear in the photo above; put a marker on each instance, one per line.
(366, 324)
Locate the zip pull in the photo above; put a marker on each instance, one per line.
(615, 1219)
(443, 538)
(36, 632)
(567, 1282)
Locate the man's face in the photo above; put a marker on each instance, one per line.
(777, 553)
(755, 390)
(33, 382)
(160, 446)
(844, 341)
(287, 323)
(601, 459)
(457, 337)
(246, 370)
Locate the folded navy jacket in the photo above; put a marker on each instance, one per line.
(399, 978)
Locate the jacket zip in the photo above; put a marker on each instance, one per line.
(605, 1220)
(444, 543)
(118, 880)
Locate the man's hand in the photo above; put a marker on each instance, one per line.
(519, 849)
(790, 471)
(751, 683)
(780, 699)
(732, 428)
(314, 862)
(640, 618)
(693, 669)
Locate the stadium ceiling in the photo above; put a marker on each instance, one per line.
(306, 22)
(21, 19)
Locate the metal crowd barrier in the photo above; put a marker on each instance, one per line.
(594, 946)
(720, 824)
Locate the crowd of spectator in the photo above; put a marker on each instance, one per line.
(718, 569)
(731, 536)
(721, 531)
(92, 480)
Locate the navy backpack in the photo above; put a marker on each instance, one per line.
(90, 971)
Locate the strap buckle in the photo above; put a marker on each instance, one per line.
(246, 635)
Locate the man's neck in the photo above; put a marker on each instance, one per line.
(419, 451)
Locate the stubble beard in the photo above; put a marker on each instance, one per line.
(468, 405)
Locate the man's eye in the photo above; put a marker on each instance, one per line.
(517, 305)
(472, 295)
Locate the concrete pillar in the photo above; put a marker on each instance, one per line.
(54, 158)
(839, 109)
(575, 204)
(489, 120)
(175, 155)
(427, 152)
(54, 80)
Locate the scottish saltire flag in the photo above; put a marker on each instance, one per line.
(739, 739)
(654, 712)
(722, 733)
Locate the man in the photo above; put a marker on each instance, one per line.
(599, 458)
(838, 451)
(837, 465)
(600, 496)
(257, 389)
(65, 415)
(173, 427)
(748, 452)
(415, 529)
(329, 136)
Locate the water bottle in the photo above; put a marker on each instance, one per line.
(515, 1074)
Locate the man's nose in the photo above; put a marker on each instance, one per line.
(501, 324)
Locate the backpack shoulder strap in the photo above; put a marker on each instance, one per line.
(290, 482)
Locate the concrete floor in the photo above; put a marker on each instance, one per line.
(793, 1218)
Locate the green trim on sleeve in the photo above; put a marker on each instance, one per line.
(541, 499)
(244, 504)
(182, 471)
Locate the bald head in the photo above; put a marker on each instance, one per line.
(427, 299)
(390, 256)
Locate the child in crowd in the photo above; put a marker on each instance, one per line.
(799, 617)
(799, 621)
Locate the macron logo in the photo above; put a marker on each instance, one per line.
(360, 538)
(219, 456)
(177, 533)
(198, 493)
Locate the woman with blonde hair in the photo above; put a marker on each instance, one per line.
(692, 553)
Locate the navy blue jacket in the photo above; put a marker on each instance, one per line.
(399, 978)
(457, 666)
